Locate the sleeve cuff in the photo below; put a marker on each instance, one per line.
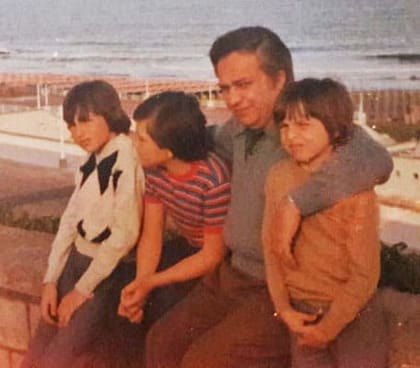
(88, 282)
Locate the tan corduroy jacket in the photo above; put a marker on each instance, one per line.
(337, 250)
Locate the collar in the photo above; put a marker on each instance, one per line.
(110, 147)
(270, 130)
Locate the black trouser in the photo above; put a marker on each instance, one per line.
(64, 347)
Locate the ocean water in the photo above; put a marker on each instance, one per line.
(366, 44)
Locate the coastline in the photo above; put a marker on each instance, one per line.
(36, 90)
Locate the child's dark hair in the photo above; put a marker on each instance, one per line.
(97, 97)
(323, 99)
(177, 123)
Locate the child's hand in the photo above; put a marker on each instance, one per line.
(133, 297)
(135, 293)
(295, 320)
(49, 303)
(134, 314)
(311, 335)
(70, 303)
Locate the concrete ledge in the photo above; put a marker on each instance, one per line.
(23, 258)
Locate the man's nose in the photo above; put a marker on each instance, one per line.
(233, 97)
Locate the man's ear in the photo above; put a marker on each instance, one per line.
(280, 80)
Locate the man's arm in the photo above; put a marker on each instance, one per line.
(356, 166)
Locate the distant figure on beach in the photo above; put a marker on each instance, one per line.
(189, 183)
(326, 299)
(227, 319)
(89, 260)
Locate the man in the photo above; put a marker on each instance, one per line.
(227, 320)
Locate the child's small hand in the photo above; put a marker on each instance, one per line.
(133, 297)
(296, 320)
(311, 335)
(70, 303)
(135, 293)
(49, 303)
(134, 314)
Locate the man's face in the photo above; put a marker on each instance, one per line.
(249, 93)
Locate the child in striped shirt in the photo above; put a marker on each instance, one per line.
(185, 181)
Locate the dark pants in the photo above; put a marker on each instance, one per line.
(362, 344)
(225, 321)
(54, 347)
(162, 299)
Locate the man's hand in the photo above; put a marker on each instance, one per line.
(49, 303)
(70, 303)
(287, 222)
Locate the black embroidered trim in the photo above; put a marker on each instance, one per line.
(87, 168)
(115, 177)
(104, 235)
(105, 169)
(80, 229)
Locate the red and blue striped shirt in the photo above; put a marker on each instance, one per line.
(197, 201)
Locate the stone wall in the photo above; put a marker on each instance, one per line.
(41, 193)
(22, 263)
(19, 315)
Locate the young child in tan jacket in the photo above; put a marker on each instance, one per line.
(326, 297)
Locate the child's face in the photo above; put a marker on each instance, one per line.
(305, 139)
(149, 152)
(91, 135)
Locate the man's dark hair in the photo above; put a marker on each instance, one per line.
(273, 53)
(323, 99)
(176, 123)
(97, 97)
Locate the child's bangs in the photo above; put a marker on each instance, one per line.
(315, 107)
(76, 112)
(289, 109)
(82, 112)
(296, 111)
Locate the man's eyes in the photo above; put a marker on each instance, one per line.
(238, 85)
(243, 84)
